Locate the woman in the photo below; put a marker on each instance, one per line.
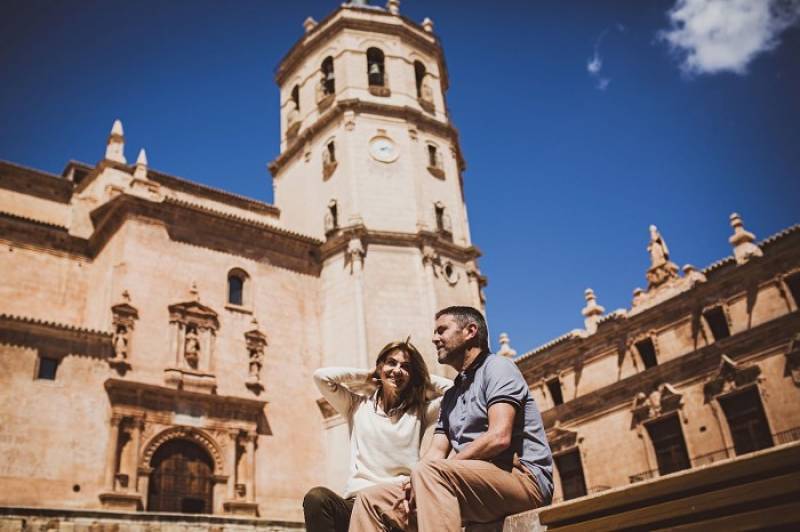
(386, 427)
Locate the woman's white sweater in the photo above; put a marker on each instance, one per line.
(382, 448)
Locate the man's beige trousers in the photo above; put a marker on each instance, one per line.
(448, 493)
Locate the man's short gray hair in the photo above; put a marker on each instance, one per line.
(464, 316)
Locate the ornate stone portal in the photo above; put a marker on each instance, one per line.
(146, 417)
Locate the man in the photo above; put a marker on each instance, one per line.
(501, 463)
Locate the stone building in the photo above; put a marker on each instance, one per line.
(703, 368)
(157, 336)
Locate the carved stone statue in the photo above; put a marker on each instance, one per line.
(191, 350)
(256, 361)
(659, 254)
(120, 342)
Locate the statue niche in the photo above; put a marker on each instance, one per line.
(123, 319)
(193, 333)
(256, 344)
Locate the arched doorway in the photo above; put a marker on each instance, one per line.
(181, 479)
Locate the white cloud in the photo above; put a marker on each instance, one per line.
(603, 83)
(595, 64)
(712, 36)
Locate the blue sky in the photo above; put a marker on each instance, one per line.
(582, 122)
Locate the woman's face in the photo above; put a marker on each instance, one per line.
(395, 371)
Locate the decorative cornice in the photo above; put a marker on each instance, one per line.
(566, 350)
(409, 31)
(182, 185)
(699, 363)
(221, 232)
(161, 398)
(57, 339)
(34, 182)
(336, 112)
(339, 241)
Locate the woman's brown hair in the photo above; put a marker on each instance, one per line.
(413, 396)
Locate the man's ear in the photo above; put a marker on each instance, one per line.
(470, 330)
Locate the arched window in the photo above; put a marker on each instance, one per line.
(375, 67)
(296, 97)
(237, 279)
(419, 76)
(182, 479)
(328, 81)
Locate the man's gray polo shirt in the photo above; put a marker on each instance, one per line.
(492, 379)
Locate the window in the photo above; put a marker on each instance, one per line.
(47, 368)
(439, 208)
(236, 286)
(331, 149)
(296, 97)
(570, 470)
(793, 282)
(746, 420)
(333, 212)
(328, 77)
(647, 352)
(419, 76)
(669, 445)
(554, 387)
(375, 67)
(717, 322)
(433, 156)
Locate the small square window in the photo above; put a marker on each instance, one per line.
(47, 368)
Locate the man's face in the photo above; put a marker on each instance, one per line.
(450, 339)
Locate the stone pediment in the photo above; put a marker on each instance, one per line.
(729, 377)
(195, 312)
(663, 400)
(561, 439)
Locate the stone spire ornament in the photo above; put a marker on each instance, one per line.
(115, 148)
(141, 165)
(505, 347)
(309, 24)
(742, 241)
(592, 312)
(427, 25)
(393, 7)
(661, 268)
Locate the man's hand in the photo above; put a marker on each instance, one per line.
(497, 437)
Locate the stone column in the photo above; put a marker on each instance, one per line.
(136, 439)
(250, 466)
(111, 456)
(233, 443)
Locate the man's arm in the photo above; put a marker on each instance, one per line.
(439, 447)
(497, 437)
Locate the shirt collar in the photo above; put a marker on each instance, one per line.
(470, 371)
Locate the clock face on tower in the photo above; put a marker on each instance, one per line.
(383, 149)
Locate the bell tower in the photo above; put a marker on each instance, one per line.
(371, 165)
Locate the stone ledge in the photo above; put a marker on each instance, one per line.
(19, 518)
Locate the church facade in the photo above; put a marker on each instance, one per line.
(157, 336)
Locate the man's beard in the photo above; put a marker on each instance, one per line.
(454, 353)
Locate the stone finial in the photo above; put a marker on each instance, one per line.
(638, 295)
(141, 165)
(742, 241)
(505, 347)
(194, 293)
(115, 147)
(126, 296)
(592, 311)
(693, 274)
(393, 7)
(427, 25)
(309, 24)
